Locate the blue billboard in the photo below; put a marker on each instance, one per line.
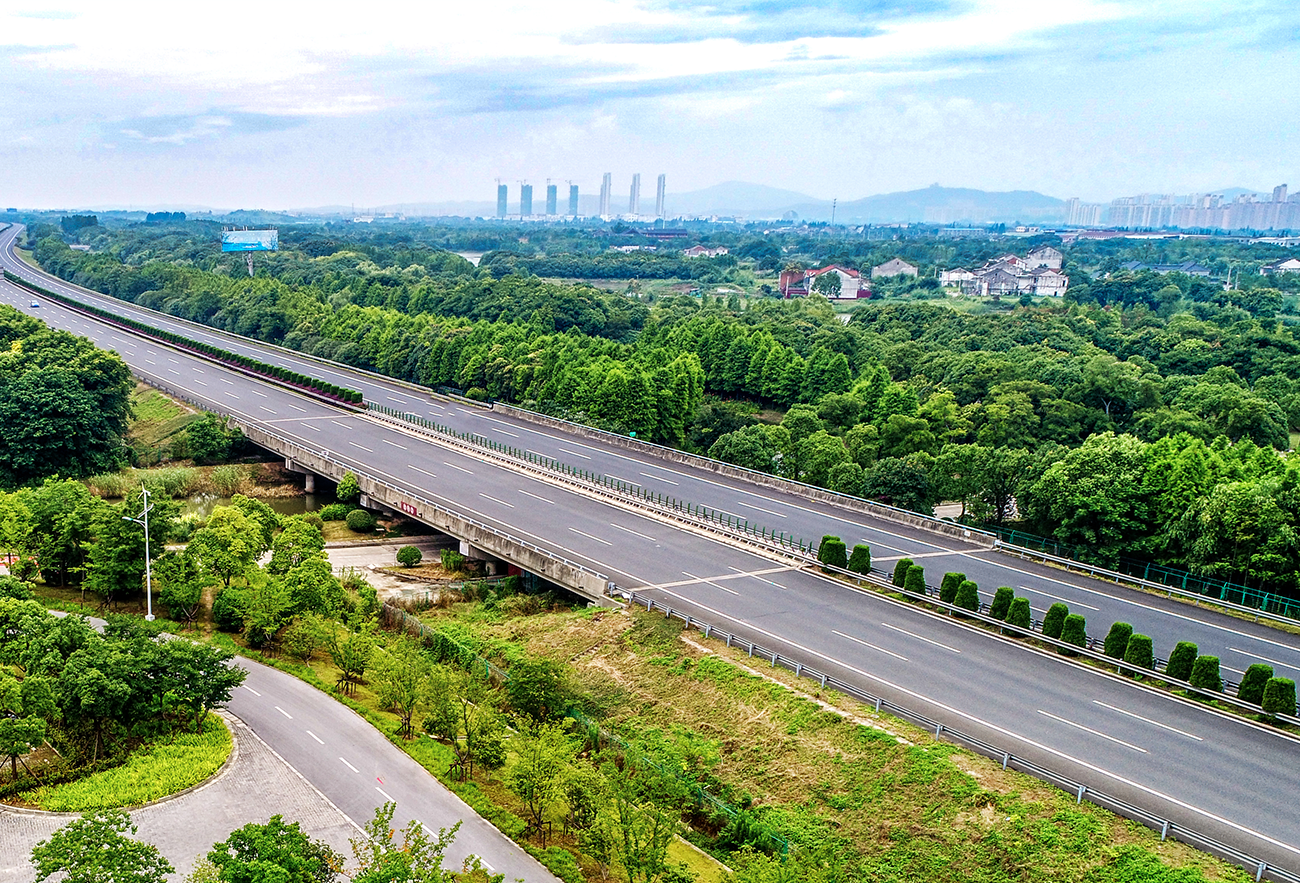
(250, 240)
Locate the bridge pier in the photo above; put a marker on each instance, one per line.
(492, 566)
(309, 477)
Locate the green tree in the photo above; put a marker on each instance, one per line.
(209, 439)
(349, 488)
(828, 284)
(1000, 606)
(1019, 614)
(275, 852)
(901, 568)
(536, 688)
(115, 556)
(968, 596)
(416, 858)
(1074, 631)
(915, 579)
(1138, 653)
(830, 552)
(196, 678)
(1117, 640)
(97, 849)
(409, 556)
(227, 547)
(1279, 696)
(18, 736)
(860, 560)
(948, 586)
(1206, 677)
(351, 654)
(1182, 661)
(1054, 619)
(1254, 680)
(400, 676)
(543, 756)
(179, 583)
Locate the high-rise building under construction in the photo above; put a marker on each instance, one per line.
(503, 193)
(634, 196)
(605, 183)
(525, 200)
(550, 199)
(660, 189)
(573, 200)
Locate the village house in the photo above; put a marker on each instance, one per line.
(1009, 275)
(1285, 265)
(1044, 256)
(893, 267)
(699, 251)
(799, 283)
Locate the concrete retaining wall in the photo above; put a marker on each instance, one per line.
(821, 495)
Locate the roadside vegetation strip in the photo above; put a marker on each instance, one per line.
(262, 370)
(161, 770)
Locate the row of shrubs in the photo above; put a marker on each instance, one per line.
(292, 378)
(1258, 685)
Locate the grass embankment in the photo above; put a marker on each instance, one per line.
(864, 793)
(152, 773)
(157, 418)
(886, 800)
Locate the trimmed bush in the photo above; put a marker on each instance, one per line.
(949, 586)
(1117, 640)
(409, 556)
(1054, 620)
(1139, 654)
(349, 488)
(1000, 606)
(968, 596)
(228, 609)
(361, 521)
(860, 560)
(334, 512)
(1253, 682)
(915, 579)
(1205, 676)
(452, 561)
(1182, 662)
(900, 571)
(1019, 614)
(1074, 630)
(831, 552)
(1279, 696)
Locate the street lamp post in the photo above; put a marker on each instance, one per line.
(143, 521)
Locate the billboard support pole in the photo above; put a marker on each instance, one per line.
(248, 256)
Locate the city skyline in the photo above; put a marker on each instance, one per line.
(177, 105)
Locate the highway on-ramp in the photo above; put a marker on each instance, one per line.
(1226, 777)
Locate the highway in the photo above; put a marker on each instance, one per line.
(1237, 642)
(1226, 777)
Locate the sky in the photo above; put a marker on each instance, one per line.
(288, 105)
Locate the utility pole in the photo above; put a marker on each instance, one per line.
(143, 521)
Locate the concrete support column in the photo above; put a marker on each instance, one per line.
(310, 482)
(491, 566)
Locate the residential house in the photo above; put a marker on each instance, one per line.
(955, 278)
(1285, 265)
(699, 251)
(893, 267)
(1044, 256)
(799, 283)
(1190, 268)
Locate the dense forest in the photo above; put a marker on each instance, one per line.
(64, 404)
(1143, 415)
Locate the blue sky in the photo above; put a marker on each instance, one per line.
(154, 103)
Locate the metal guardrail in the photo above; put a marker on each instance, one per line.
(1081, 790)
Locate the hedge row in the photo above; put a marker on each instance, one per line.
(274, 372)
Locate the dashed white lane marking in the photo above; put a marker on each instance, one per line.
(761, 509)
(283, 712)
(231, 394)
(574, 453)
(920, 638)
(344, 425)
(418, 469)
(399, 401)
(1148, 720)
(1070, 723)
(362, 447)
(393, 443)
(535, 497)
(348, 765)
(709, 582)
(296, 408)
(264, 408)
(495, 500)
(199, 382)
(1059, 598)
(222, 379)
(312, 428)
(503, 432)
(590, 537)
(387, 796)
(869, 644)
(251, 690)
(1264, 659)
(454, 466)
(262, 394)
(657, 478)
(317, 738)
(633, 532)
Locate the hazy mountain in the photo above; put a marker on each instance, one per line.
(731, 198)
